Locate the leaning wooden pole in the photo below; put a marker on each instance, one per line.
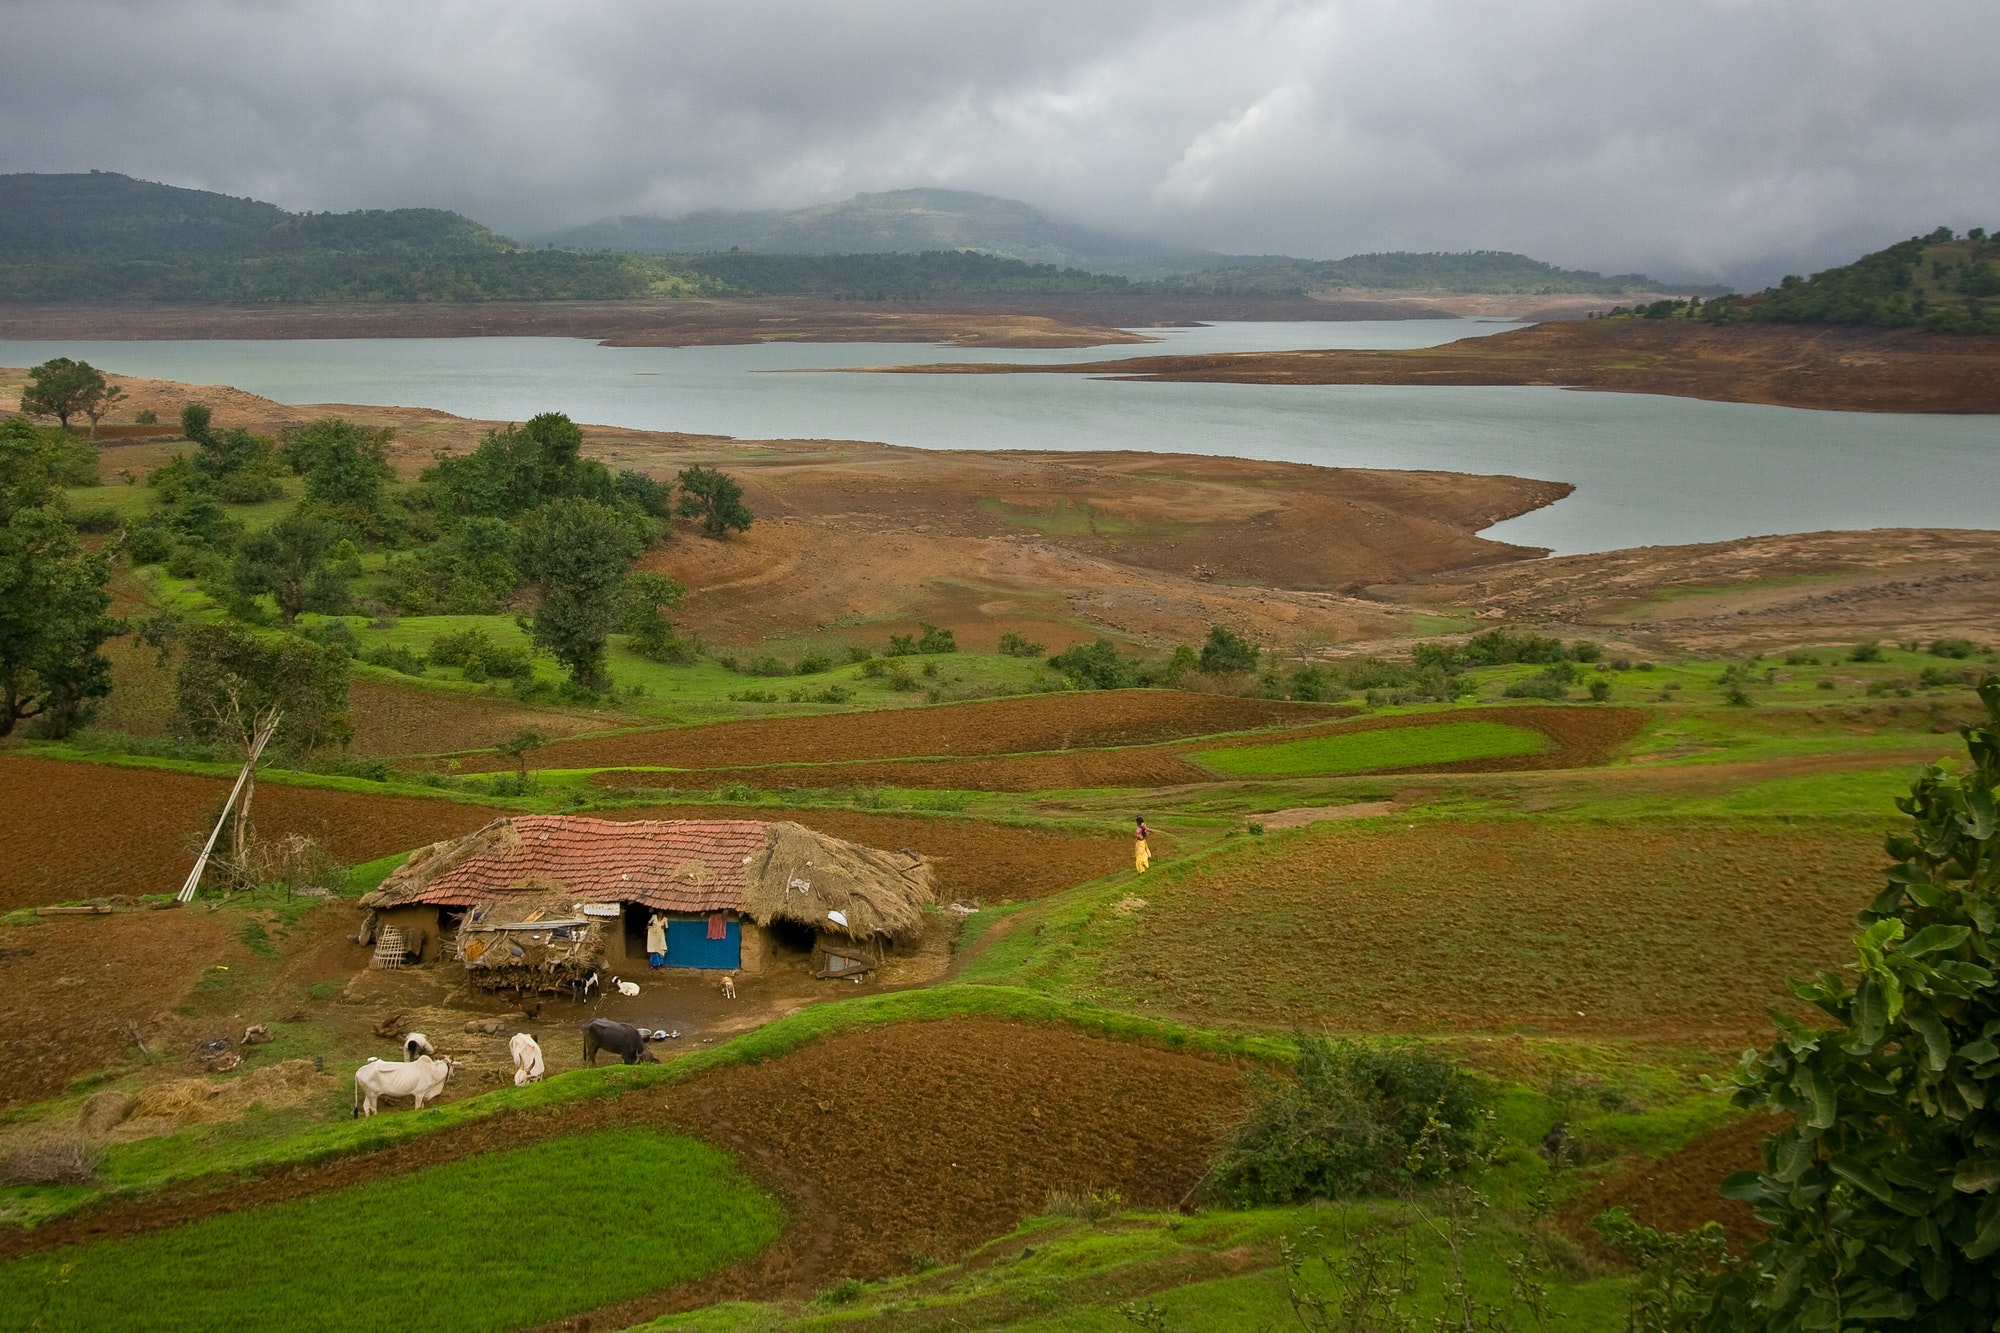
(257, 744)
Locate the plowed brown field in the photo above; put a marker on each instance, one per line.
(882, 1141)
(1024, 724)
(1680, 1191)
(1577, 930)
(390, 720)
(79, 988)
(77, 830)
(1581, 736)
(978, 859)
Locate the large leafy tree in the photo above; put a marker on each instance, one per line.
(575, 554)
(53, 603)
(345, 464)
(516, 469)
(62, 388)
(715, 498)
(288, 560)
(1882, 1196)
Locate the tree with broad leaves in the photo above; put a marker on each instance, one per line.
(288, 560)
(1882, 1196)
(62, 388)
(715, 498)
(575, 553)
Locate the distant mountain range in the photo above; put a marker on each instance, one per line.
(104, 236)
(893, 222)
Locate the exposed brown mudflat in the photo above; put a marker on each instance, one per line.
(1840, 369)
(675, 323)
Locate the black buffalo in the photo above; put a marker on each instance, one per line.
(621, 1039)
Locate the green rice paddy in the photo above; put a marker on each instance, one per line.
(1354, 752)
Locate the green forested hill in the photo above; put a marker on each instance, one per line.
(100, 236)
(1497, 271)
(1942, 282)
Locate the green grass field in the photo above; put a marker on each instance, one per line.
(490, 1242)
(1395, 747)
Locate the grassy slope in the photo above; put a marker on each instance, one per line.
(599, 1218)
(1400, 747)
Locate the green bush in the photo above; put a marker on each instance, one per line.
(1549, 684)
(396, 658)
(1870, 651)
(813, 664)
(1015, 645)
(1955, 648)
(1347, 1124)
(474, 652)
(935, 640)
(149, 545)
(1225, 651)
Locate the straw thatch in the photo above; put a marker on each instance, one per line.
(804, 875)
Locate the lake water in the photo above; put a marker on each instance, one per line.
(1648, 470)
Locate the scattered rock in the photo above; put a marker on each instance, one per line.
(486, 1025)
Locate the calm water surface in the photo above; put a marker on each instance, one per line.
(1648, 470)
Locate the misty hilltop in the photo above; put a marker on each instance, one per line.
(102, 215)
(894, 222)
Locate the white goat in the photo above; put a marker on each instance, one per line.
(625, 987)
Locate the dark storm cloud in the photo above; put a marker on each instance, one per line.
(1725, 137)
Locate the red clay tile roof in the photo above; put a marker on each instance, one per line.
(675, 865)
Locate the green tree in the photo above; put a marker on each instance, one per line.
(715, 499)
(648, 599)
(53, 603)
(1882, 1196)
(516, 469)
(1097, 666)
(53, 620)
(345, 464)
(62, 388)
(289, 561)
(575, 554)
(1226, 651)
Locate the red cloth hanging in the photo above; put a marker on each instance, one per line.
(718, 926)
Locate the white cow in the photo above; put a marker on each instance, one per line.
(422, 1078)
(527, 1053)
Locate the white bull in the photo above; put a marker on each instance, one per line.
(527, 1053)
(422, 1078)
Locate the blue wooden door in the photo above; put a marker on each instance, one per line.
(688, 945)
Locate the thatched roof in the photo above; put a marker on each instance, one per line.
(764, 871)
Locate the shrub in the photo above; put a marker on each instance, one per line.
(1956, 648)
(1600, 690)
(1347, 1124)
(1870, 651)
(901, 645)
(1225, 651)
(901, 679)
(813, 664)
(149, 545)
(474, 652)
(1550, 682)
(396, 658)
(873, 667)
(1315, 684)
(1015, 645)
(1799, 658)
(1829, 683)
(1097, 666)
(936, 640)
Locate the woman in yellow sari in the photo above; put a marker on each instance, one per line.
(1142, 855)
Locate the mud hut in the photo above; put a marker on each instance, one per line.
(528, 901)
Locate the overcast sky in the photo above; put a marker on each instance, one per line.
(1737, 139)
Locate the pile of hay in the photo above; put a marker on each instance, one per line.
(174, 1105)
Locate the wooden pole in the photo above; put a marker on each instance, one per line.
(263, 738)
